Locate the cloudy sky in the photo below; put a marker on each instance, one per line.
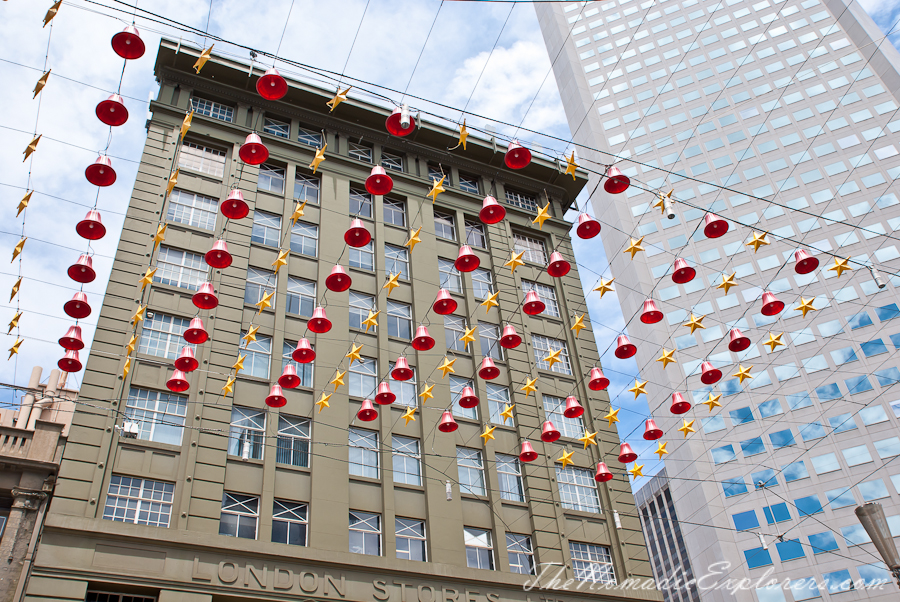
(514, 87)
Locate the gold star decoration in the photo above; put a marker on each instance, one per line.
(661, 203)
(437, 187)
(507, 412)
(667, 357)
(409, 415)
(126, 368)
(542, 216)
(694, 323)
(17, 250)
(280, 260)
(15, 288)
(371, 320)
(713, 402)
(186, 123)
(413, 239)
(338, 379)
(552, 358)
(727, 282)
(578, 326)
(298, 212)
(840, 266)
(743, 373)
(52, 12)
(251, 335)
(32, 146)
(490, 302)
(14, 322)
(129, 348)
(354, 353)
(687, 427)
(148, 278)
(426, 393)
(566, 459)
(529, 386)
(138, 315)
(605, 286)
(588, 439)
(514, 261)
(229, 386)
(634, 247)
(24, 203)
(806, 305)
(463, 135)
(323, 401)
(774, 341)
(636, 470)
(661, 449)
(340, 97)
(757, 241)
(488, 434)
(239, 364)
(173, 180)
(392, 283)
(265, 302)
(612, 416)
(467, 337)
(160, 235)
(201, 60)
(638, 388)
(571, 166)
(317, 160)
(447, 367)
(14, 349)
(40, 84)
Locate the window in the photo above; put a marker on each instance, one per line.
(794, 471)
(482, 283)
(399, 320)
(444, 226)
(266, 229)
(216, 110)
(309, 137)
(304, 371)
(363, 257)
(840, 498)
(475, 234)
(873, 490)
(391, 160)
(360, 305)
(363, 379)
(789, 549)
(510, 474)
(160, 416)
(301, 297)
(450, 278)
(543, 346)
(745, 520)
(454, 328)
(305, 239)
(823, 542)
(162, 335)
(180, 268)
(489, 336)
(498, 399)
(781, 439)
(842, 423)
(568, 427)
(577, 489)
(521, 200)
(838, 581)
(396, 261)
(857, 455)
(192, 209)
(204, 159)
(521, 554)
(271, 178)
(365, 533)
(306, 188)
(532, 247)
(468, 183)
(247, 434)
(436, 172)
(592, 563)
(259, 284)
(479, 550)
(874, 575)
(289, 523)
(363, 453)
(545, 293)
(754, 446)
(360, 152)
(410, 535)
(139, 501)
(394, 212)
(807, 506)
(405, 390)
(259, 354)
(406, 457)
(457, 384)
(293, 441)
(741, 416)
(471, 470)
(723, 454)
(240, 514)
(734, 486)
(360, 203)
(110, 597)
(757, 557)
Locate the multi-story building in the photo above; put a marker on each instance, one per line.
(218, 495)
(780, 117)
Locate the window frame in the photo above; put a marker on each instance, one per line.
(293, 446)
(288, 515)
(370, 453)
(233, 507)
(362, 518)
(149, 502)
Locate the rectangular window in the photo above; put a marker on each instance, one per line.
(309, 137)
(545, 293)
(240, 515)
(305, 239)
(471, 471)
(399, 320)
(363, 378)
(266, 229)
(360, 306)
(363, 257)
(180, 268)
(271, 178)
(363, 453)
(475, 234)
(807, 506)
(521, 200)
(568, 427)
(457, 384)
(454, 328)
(532, 247)
(306, 188)
(293, 441)
(543, 347)
(161, 335)
(139, 501)
(468, 183)
(521, 554)
(396, 261)
(391, 160)
(360, 203)
(489, 337)
(246, 438)
(444, 226)
(159, 416)
(192, 209)
(479, 549)
(365, 533)
(407, 460)
(216, 110)
(289, 523)
(436, 174)
(498, 400)
(510, 475)
(258, 356)
(482, 283)
(394, 212)
(410, 534)
(301, 297)
(577, 489)
(777, 513)
(360, 152)
(450, 277)
(405, 390)
(591, 563)
(204, 159)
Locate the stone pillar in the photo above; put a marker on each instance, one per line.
(16, 538)
(28, 400)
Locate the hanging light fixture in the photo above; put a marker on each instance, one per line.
(289, 378)
(771, 305)
(72, 341)
(549, 433)
(235, 207)
(70, 363)
(338, 280)
(304, 353)
(422, 341)
(468, 399)
(651, 314)
(624, 348)
(709, 374)
(271, 85)
(205, 297)
(447, 423)
(218, 257)
(533, 304)
(367, 413)
(78, 306)
(598, 381)
(651, 431)
(466, 261)
(587, 227)
(558, 267)
(319, 322)
(276, 397)
(603, 474)
(178, 382)
(186, 362)
(737, 341)
(82, 270)
(379, 183)
(385, 396)
(401, 370)
(626, 454)
(195, 333)
(253, 151)
(679, 404)
(491, 212)
(527, 454)
(714, 226)
(101, 172)
(112, 111)
(616, 182)
(488, 370)
(444, 304)
(128, 44)
(510, 339)
(357, 235)
(517, 156)
(804, 262)
(400, 122)
(682, 273)
(573, 408)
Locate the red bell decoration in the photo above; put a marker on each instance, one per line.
(527, 454)
(651, 313)
(112, 111)
(72, 340)
(385, 396)
(679, 404)
(517, 156)
(805, 263)
(205, 298)
(533, 305)
(338, 280)
(714, 226)
(378, 182)
(186, 362)
(549, 434)
(400, 122)
(271, 85)
(422, 341)
(488, 370)
(235, 207)
(491, 212)
(447, 424)
(218, 257)
(444, 304)
(616, 182)
(401, 370)
(70, 363)
(624, 348)
(771, 305)
(91, 227)
(78, 307)
(367, 413)
(466, 261)
(253, 151)
(289, 378)
(651, 431)
(603, 474)
(82, 270)
(101, 172)
(195, 333)
(304, 353)
(128, 43)
(178, 382)
(597, 381)
(357, 235)
(276, 397)
(738, 342)
(558, 267)
(468, 399)
(709, 375)
(587, 226)
(682, 273)
(319, 322)
(573, 408)
(510, 339)
(626, 454)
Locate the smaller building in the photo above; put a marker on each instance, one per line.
(32, 438)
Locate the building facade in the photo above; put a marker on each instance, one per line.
(217, 495)
(780, 117)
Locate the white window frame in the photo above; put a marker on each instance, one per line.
(247, 424)
(293, 441)
(258, 361)
(545, 293)
(266, 229)
(519, 545)
(404, 531)
(489, 339)
(542, 346)
(521, 200)
(534, 248)
(399, 320)
(457, 384)
(592, 563)
(482, 283)
(156, 414)
(475, 234)
(391, 160)
(363, 258)
(153, 499)
(498, 398)
(163, 332)
(447, 221)
(359, 306)
(473, 540)
(191, 209)
(406, 458)
(364, 453)
(363, 200)
(578, 490)
(213, 109)
(396, 261)
(360, 152)
(290, 514)
(276, 127)
(509, 472)
(241, 506)
(364, 524)
(306, 187)
(262, 282)
(301, 235)
(201, 158)
(180, 268)
(305, 293)
(450, 277)
(363, 378)
(394, 207)
(454, 328)
(470, 464)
